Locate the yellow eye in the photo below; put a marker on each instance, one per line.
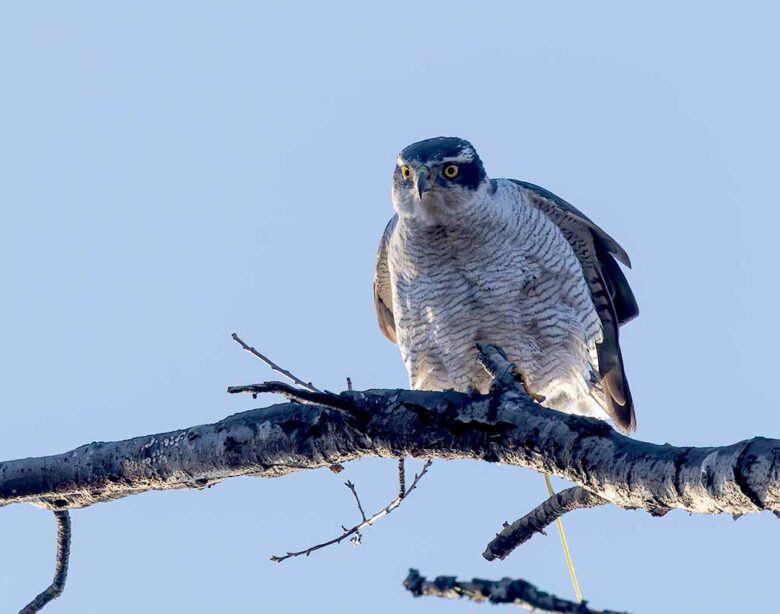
(451, 171)
(405, 171)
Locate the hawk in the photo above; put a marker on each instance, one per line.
(467, 259)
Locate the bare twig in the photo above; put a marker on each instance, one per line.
(305, 397)
(515, 592)
(357, 537)
(365, 523)
(57, 585)
(351, 486)
(274, 366)
(520, 531)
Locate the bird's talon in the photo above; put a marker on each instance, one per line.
(536, 398)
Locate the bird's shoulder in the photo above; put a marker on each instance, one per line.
(532, 230)
(577, 226)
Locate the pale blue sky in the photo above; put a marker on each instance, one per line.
(173, 172)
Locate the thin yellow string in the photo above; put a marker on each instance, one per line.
(565, 545)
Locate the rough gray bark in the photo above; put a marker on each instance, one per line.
(505, 591)
(322, 429)
(538, 519)
(505, 427)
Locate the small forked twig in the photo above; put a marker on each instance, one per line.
(274, 366)
(310, 394)
(57, 585)
(366, 522)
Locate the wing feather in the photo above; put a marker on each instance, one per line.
(574, 214)
(383, 292)
(611, 294)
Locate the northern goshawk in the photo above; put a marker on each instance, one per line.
(468, 259)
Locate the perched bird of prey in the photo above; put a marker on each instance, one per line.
(468, 259)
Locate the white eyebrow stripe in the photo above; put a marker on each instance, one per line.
(463, 157)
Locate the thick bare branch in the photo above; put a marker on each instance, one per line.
(505, 591)
(505, 427)
(57, 585)
(322, 429)
(520, 531)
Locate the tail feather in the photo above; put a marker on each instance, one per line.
(620, 404)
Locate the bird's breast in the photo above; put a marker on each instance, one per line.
(448, 296)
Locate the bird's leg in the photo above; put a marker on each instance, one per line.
(536, 398)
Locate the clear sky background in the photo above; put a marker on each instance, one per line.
(173, 172)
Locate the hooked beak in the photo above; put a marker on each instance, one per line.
(424, 181)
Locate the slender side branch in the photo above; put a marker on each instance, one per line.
(273, 365)
(535, 521)
(351, 485)
(57, 585)
(367, 522)
(305, 397)
(507, 591)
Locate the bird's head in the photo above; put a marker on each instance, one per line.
(437, 179)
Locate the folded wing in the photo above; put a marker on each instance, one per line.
(612, 297)
(383, 293)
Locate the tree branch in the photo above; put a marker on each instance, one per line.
(323, 429)
(282, 371)
(57, 585)
(505, 591)
(507, 428)
(520, 531)
(304, 397)
(349, 484)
